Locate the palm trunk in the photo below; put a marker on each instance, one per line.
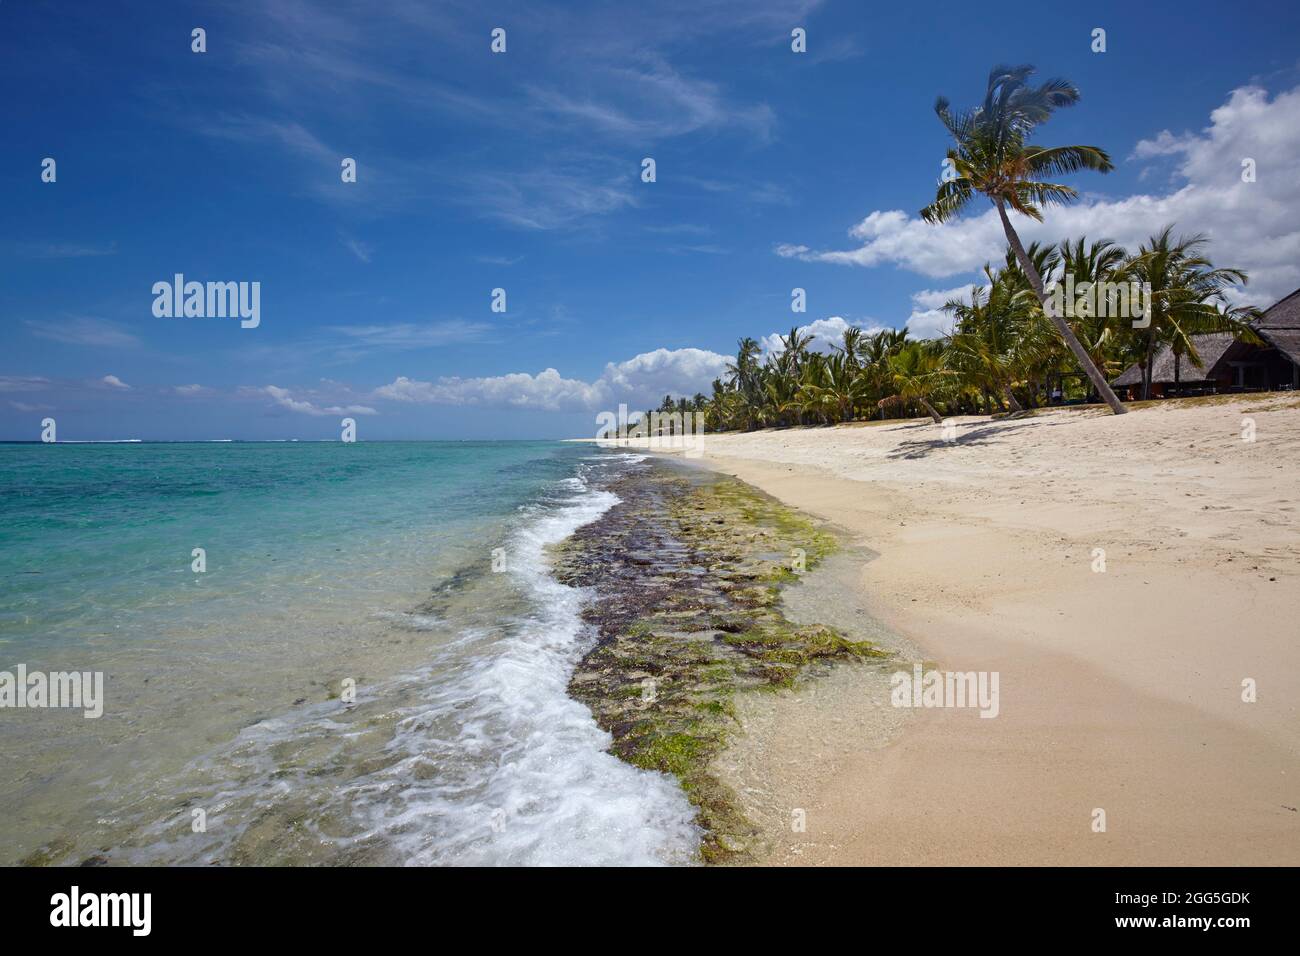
(938, 419)
(1063, 327)
(1178, 378)
(1011, 398)
(1147, 370)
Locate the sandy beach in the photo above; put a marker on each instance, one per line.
(1121, 689)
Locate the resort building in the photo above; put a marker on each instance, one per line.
(1227, 364)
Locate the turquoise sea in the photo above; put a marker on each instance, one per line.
(414, 572)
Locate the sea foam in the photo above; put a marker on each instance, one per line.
(549, 790)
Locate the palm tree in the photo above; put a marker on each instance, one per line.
(741, 372)
(915, 374)
(1187, 297)
(782, 393)
(834, 387)
(1235, 320)
(851, 346)
(874, 354)
(1099, 262)
(997, 337)
(793, 349)
(993, 157)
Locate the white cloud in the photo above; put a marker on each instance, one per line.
(99, 333)
(284, 398)
(650, 101)
(413, 335)
(23, 383)
(358, 248)
(1252, 226)
(191, 390)
(546, 390)
(928, 320)
(112, 381)
(549, 198)
(641, 380)
(824, 332)
(679, 371)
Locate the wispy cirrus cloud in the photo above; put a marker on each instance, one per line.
(408, 336)
(63, 250)
(550, 198)
(625, 89)
(83, 330)
(358, 248)
(24, 383)
(650, 101)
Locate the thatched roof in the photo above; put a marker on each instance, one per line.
(1286, 341)
(1211, 348)
(1284, 314)
(1280, 326)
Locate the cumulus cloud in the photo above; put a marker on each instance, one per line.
(928, 319)
(546, 390)
(1251, 225)
(825, 333)
(640, 380)
(112, 381)
(664, 371)
(285, 399)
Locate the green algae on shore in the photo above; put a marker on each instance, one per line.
(687, 574)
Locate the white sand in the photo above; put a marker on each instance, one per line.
(1119, 690)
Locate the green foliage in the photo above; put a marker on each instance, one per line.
(1001, 352)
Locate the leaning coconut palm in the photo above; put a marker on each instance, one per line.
(992, 156)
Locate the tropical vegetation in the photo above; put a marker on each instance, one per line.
(1015, 341)
(1002, 353)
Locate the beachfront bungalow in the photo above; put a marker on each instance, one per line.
(1228, 365)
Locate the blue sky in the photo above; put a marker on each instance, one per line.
(521, 171)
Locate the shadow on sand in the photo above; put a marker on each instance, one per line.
(982, 435)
